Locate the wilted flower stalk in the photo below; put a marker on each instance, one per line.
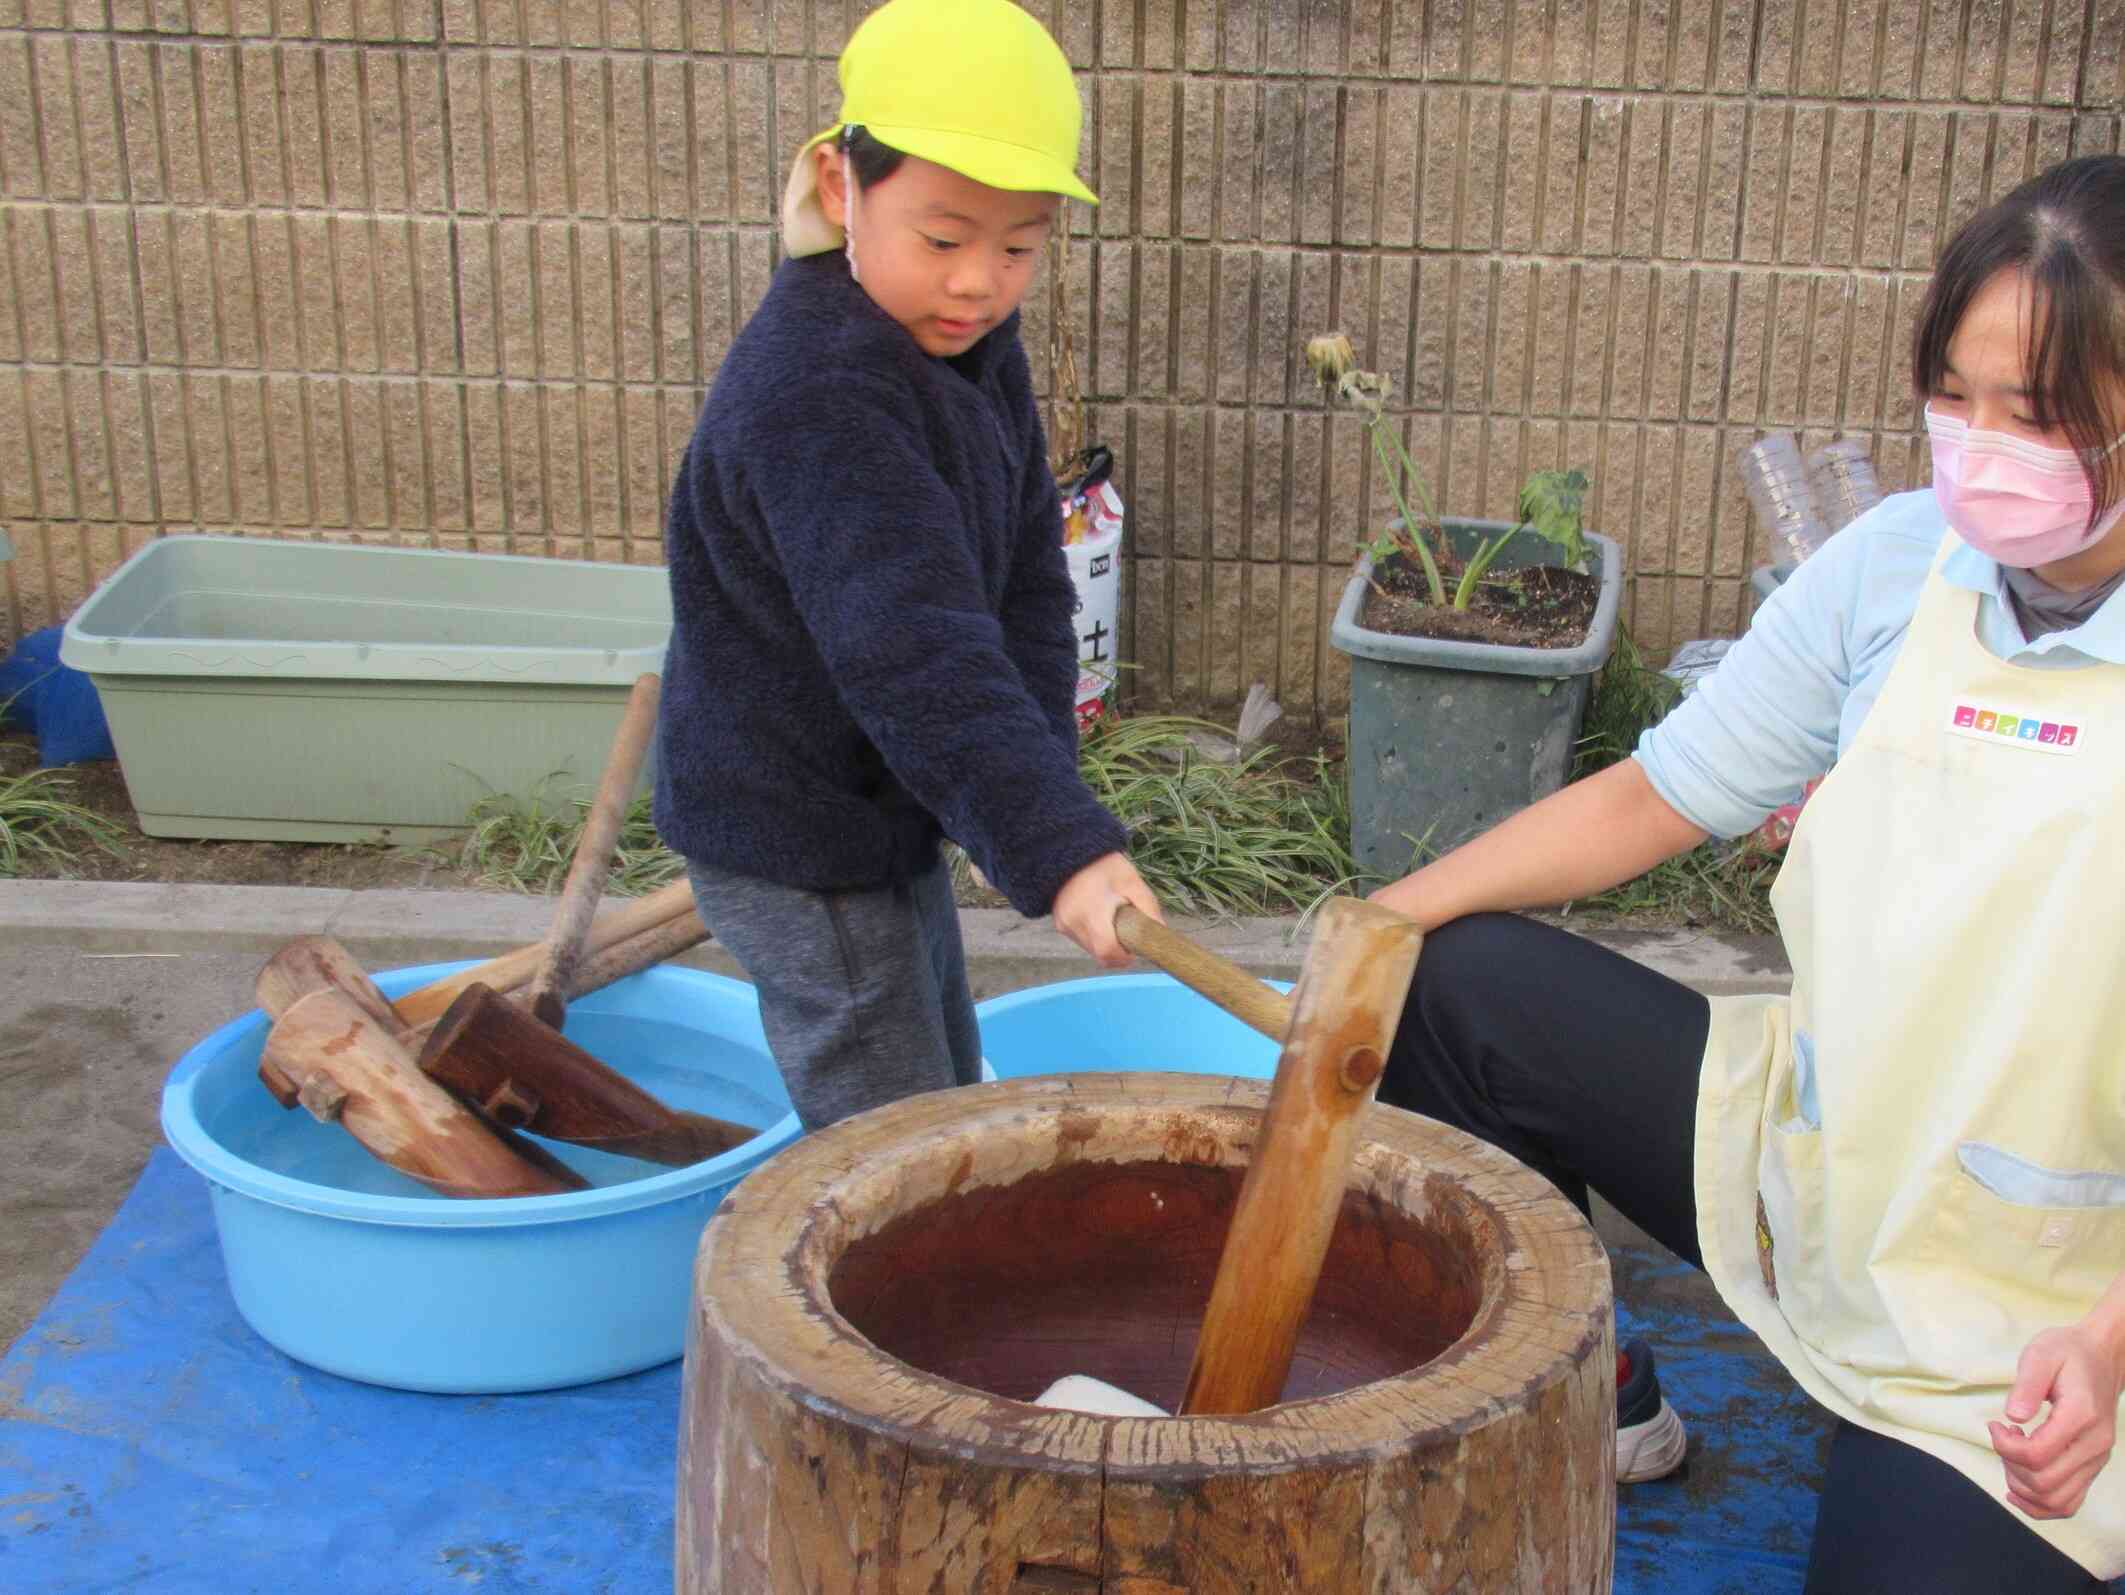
(1335, 366)
(1331, 357)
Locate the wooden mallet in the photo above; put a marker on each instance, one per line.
(331, 1053)
(492, 1054)
(524, 1074)
(1335, 1029)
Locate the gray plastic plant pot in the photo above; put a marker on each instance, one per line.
(1448, 738)
(1767, 579)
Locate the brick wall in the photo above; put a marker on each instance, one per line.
(459, 272)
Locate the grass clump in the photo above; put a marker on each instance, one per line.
(38, 825)
(1263, 834)
(1719, 885)
(525, 844)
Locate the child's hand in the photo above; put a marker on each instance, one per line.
(1084, 908)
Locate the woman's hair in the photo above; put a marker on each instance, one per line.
(871, 161)
(2065, 231)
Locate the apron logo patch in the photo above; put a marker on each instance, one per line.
(2008, 726)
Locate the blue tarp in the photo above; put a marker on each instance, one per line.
(149, 1440)
(1738, 1518)
(152, 1441)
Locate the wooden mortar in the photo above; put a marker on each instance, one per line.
(874, 1309)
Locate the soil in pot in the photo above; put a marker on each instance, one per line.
(1539, 606)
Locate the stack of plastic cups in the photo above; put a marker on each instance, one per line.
(1780, 494)
(1841, 475)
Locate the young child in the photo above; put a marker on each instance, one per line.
(873, 645)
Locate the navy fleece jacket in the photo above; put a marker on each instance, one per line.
(872, 637)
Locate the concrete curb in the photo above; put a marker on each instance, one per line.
(388, 928)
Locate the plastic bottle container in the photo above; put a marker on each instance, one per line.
(1841, 475)
(1783, 499)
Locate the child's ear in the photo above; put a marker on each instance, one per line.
(827, 174)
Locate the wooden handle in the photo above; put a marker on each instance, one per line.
(643, 950)
(348, 1067)
(1348, 1002)
(512, 970)
(1221, 980)
(548, 995)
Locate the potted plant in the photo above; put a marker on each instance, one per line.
(1473, 646)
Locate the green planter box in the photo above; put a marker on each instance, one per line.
(1448, 738)
(321, 692)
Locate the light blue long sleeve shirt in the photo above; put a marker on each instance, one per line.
(1790, 696)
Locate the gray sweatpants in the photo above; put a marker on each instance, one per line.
(863, 994)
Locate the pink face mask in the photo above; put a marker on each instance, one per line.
(2019, 503)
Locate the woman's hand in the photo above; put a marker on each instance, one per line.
(1084, 908)
(2050, 1467)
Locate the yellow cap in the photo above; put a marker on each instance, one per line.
(974, 85)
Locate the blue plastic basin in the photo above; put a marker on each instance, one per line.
(346, 1264)
(1119, 1022)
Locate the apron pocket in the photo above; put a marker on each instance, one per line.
(2014, 1248)
(2021, 1183)
(1802, 1109)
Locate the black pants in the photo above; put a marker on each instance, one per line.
(1584, 1066)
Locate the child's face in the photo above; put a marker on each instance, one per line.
(945, 256)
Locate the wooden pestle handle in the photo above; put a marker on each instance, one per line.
(1344, 1015)
(643, 950)
(513, 969)
(1221, 980)
(548, 994)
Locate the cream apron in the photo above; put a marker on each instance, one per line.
(1953, 901)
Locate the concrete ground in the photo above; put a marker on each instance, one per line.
(104, 986)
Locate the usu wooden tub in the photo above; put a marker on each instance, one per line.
(874, 1310)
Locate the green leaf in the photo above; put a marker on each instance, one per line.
(1553, 503)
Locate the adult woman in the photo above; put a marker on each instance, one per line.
(1909, 1178)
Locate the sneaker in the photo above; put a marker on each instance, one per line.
(1649, 1437)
